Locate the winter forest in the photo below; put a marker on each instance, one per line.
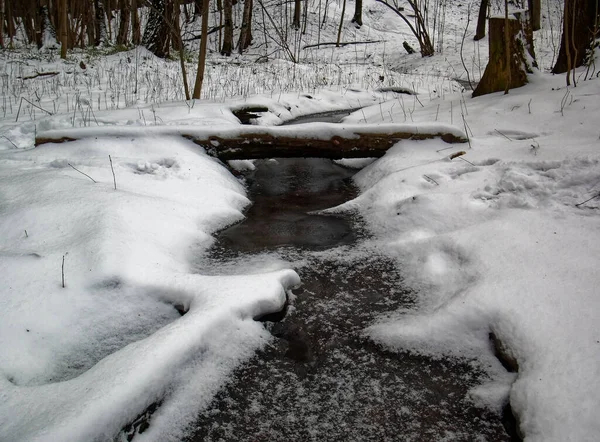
(299, 220)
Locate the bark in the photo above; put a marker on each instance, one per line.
(535, 14)
(277, 142)
(498, 76)
(64, 41)
(125, 18)
(339, 34)
(2, 16)
(227, 47)
(481, 20)
(202, 57)
(297, 9)
(246, 31)
(157, 36)
(136, 36)
(578, 33)
(178, 39)
(100, 23)
(358, 13)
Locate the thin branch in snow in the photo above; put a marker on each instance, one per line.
(82, 173)
(62, 271)
(588, 200)
(466, 161)
(10, 141)
(428, 178)
(113, 172)
(502, 134)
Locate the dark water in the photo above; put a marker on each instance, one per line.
(320, 380)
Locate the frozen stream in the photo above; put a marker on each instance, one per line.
(320, 380)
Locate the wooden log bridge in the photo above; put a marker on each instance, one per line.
(232, 142)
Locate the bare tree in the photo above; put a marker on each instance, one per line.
(357, 13)
(579, 21)
(418, 27)
(481, 20)
(535, 14)
(125, 19)
(297, 10)
(339, 34)
(227, 47)
(202, 56)
(246, 31)
(157, 36)
(62, 10)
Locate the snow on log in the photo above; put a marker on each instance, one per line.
(231, 142)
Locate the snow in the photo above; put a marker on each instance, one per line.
(495, 241)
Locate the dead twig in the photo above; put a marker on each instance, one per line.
(39, 74)
(82, 172)
(588, 200)
(113, 172)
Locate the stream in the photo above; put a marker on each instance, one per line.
(320, 380)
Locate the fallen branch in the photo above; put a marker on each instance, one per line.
(82, 172)
(40, 74)
(333, 43)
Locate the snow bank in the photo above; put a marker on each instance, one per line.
(495, 242)
(82, 361)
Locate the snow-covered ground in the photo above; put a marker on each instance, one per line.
(495, 241)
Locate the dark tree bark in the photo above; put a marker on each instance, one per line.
(202, 56)
(481, 20)
(136, 36)
(358, 13)
(125, 16)
(578, 31)
(227, 47)
(498, 76)
(64, 41)
(535, 14)
(157, 36)
(246, 31)
(297, 10)
(2, 16)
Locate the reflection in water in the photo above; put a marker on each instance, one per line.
(320, 380)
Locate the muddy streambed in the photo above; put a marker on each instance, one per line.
(320, 380)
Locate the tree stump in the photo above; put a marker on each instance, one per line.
(495, 76)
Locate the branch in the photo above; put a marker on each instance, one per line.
(316, 45)
(39, 74)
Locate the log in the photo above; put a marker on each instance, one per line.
(322, 140)
(256, 146)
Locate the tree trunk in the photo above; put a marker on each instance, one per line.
(358, 13)
(297, 10)
(227, 47)
(178, 39)
(136, 36)
(535, 14)
(64, 41)
(202, 57)
(125, 16)
(157, 36)
(578, 24)
(2, 14)
(481, 20)
(100, 23)
(246, 30)
(339, 34)
(497, 76)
